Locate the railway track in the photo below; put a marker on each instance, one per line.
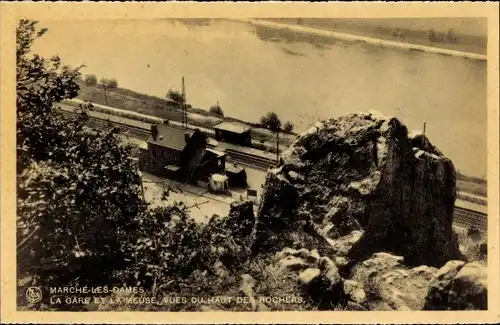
(470, 218)
(252, 161)
(104, 124)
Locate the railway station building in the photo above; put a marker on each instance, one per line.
(180, 154)
(233, 132)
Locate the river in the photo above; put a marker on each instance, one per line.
(251, 71)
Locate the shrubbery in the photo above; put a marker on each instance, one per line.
(217, 110)
(78, 191)
(169, 245)
(288, 127)
(91, 80)
(175, 97)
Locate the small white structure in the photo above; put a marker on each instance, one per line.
(218, 183)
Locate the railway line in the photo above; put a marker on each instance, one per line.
(470, 218)
(98, 123)
(462, 216)
(252, 161)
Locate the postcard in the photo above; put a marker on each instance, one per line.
(249, 163)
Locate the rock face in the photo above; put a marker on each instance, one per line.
(361, 173)
(390, 285)
(318, 276)
(458, 286)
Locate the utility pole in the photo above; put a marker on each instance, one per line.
(278, 145)
(424, 126)
(105, 96)
(184, 113)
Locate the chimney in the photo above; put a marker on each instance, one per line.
(154, 131)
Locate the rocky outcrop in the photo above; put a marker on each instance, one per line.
(390, 285)
(318, 276)
(458, 286)
(229, 237)
(359, 184)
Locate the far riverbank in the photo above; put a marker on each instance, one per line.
(364, 39)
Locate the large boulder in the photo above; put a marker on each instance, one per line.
(458, 286)
(361, 173)
(390, 285)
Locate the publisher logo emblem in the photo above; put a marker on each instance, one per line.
(33, 294)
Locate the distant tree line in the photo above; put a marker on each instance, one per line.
(109, 83)
(448, 37)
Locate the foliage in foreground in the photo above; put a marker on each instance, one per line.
(78, 191)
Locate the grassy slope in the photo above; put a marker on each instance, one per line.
(472, 185)
(151, 105)
(411, 30)
(129, 100)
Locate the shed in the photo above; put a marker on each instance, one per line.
(237, 176)
(218, 183)
(234, 132)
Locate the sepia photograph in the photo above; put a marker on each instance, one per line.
(258, 164)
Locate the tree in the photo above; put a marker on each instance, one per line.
(40, 83)
(91, 80)
(109, 83)
(272, 122)
(78, 191)
(288, 127)
(175, 97)
(451, 37)
(432, 35)
(113, 83)
(217, 110)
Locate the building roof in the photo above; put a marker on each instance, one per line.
(216, 152)
(218, 178)
(172, 168)
(212, 142)
(231, 168)
(170, 137)
(233, 127)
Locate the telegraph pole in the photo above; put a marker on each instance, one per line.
(105, 96)
(184, 113)
(277, 146)
(424, 126)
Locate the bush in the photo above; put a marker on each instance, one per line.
(91, 80)
(164, 247)
(217, 110)
(288, 127)
(170, 245)
(175, 97)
